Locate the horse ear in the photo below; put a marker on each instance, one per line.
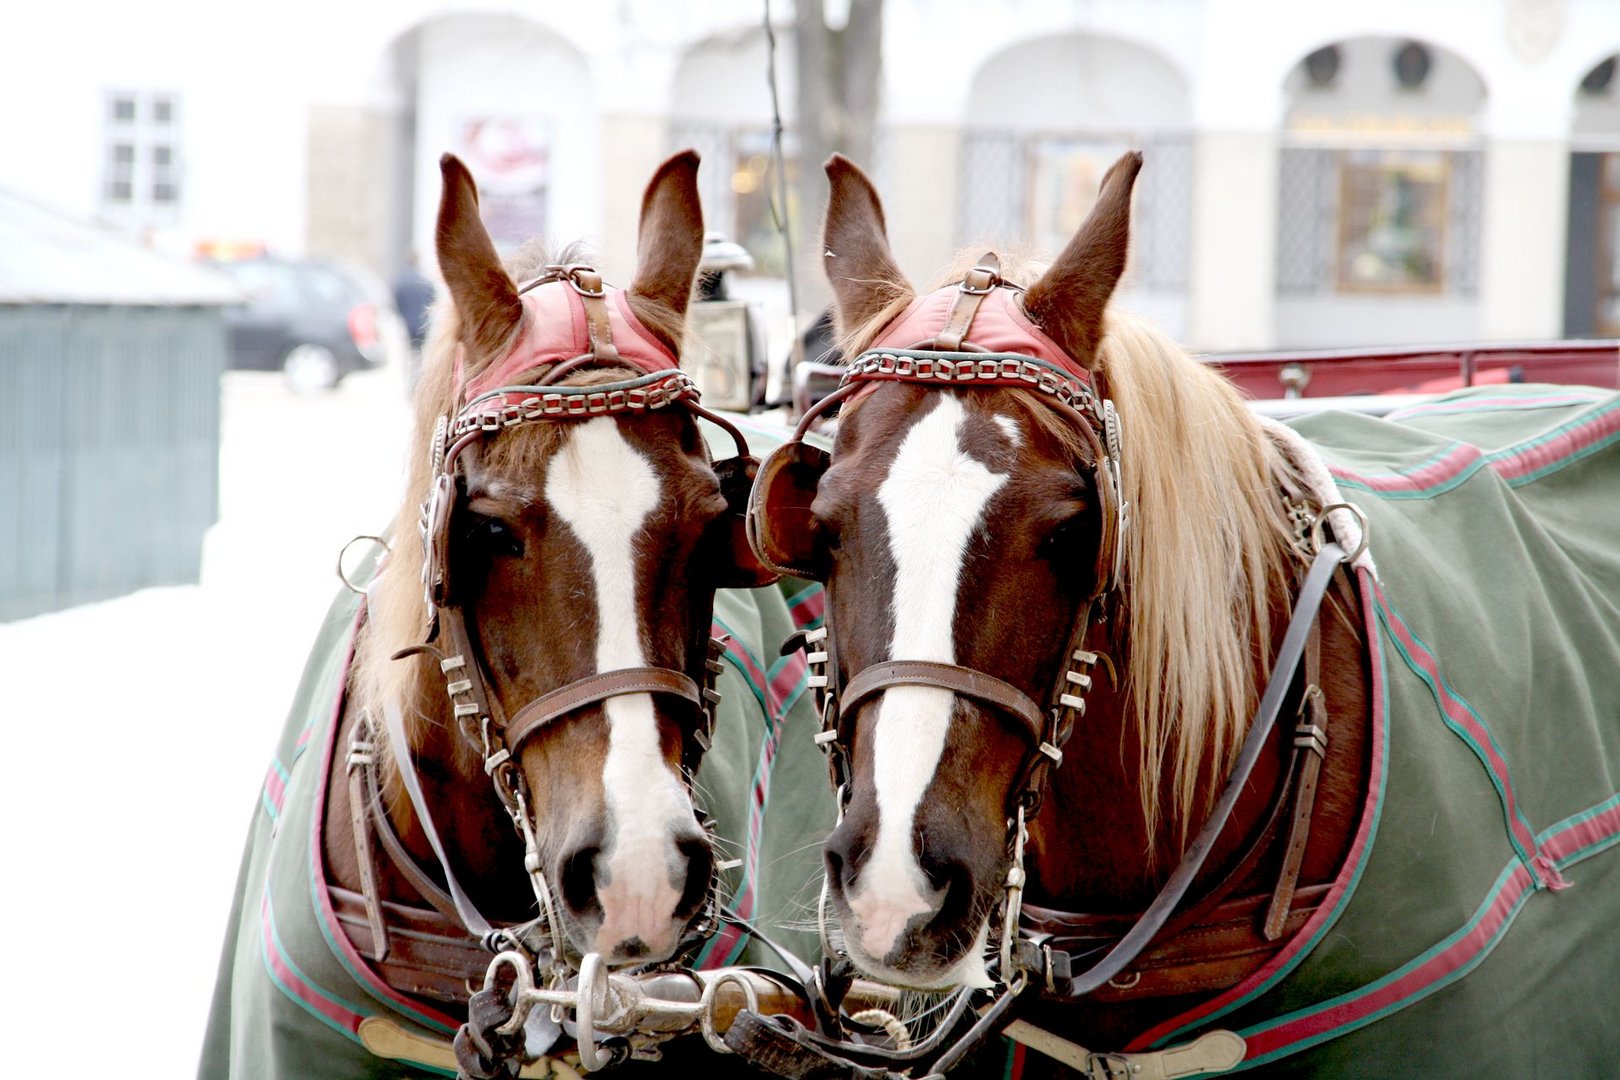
(855, 247)
(669, 243)
(1068, 301)
(486, 301)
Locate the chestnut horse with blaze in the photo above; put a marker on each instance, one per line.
(1207, 742)
(511, 761)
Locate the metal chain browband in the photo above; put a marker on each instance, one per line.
(974, 369)
(512, 405)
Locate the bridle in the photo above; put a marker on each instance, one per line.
(951, 360)
(779, 519)
(484, 412)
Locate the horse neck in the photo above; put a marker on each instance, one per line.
(473, 826)
(1089, 844)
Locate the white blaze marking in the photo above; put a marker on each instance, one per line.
(933, 499)
(1009, 428)
(604, 489)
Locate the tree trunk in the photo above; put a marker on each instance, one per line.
(839, 75)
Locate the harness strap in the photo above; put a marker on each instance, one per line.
(1158, 913)
(588, 284)
(470, 916)
(965, 681)
(974, 288)
(576, 695)
(1310, 745)
(359, 766)
(1213, 1052)
(397, 853)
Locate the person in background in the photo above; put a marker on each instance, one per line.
(413, 293)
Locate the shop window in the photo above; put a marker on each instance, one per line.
(1064, 177)
(1392, 221)
(755, 189)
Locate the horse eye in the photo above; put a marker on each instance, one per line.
(1061, 540)
(495, 537)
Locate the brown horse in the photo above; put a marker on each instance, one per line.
(576, 548)
(574, 530)
(1061, 558)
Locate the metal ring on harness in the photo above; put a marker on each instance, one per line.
(592, 980)
(342, 574)
(1318, 539)
(711, 1034)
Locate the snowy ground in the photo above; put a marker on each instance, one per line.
(143, 727)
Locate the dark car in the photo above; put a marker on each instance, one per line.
(313, 321)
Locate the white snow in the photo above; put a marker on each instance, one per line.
(140, 730)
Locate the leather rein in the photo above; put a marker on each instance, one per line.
(479, 716)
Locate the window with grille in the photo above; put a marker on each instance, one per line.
(1019, 188)
(141, 183)
(742, 203)
(1378, 221)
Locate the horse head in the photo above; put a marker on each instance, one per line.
(958, 533)
(977, 518)
(576, 530)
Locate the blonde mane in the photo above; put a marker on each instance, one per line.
(396, 612)
(1208, 554)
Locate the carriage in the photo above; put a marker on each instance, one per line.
(1165, 738)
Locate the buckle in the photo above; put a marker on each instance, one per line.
(987, 274)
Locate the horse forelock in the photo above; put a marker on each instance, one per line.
(1200, 477)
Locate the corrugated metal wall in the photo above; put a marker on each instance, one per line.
(109, 450)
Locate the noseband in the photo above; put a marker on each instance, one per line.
(488, 411)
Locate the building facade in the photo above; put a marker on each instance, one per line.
(1389, 171)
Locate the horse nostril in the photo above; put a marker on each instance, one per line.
(840, 860)
(578, 879)
(699, 871)
(953, 881)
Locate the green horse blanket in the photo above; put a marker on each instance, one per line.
(1476, 928)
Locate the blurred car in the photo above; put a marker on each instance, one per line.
(313, 321)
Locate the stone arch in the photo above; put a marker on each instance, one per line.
(1367, 82)
(720, 105)
(1079, 81)
(1380, 193)
(1044, 118)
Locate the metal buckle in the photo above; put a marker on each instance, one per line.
(1107, 1066)
(571, 274)
(992, 276)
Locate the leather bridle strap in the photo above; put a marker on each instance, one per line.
(576, 695)
(588, 284)
(965, 681)
(471, 917)
(399, 855)
(1282, 677)
(974, 288)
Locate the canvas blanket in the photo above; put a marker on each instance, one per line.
(294, 998)
(1476, 929)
